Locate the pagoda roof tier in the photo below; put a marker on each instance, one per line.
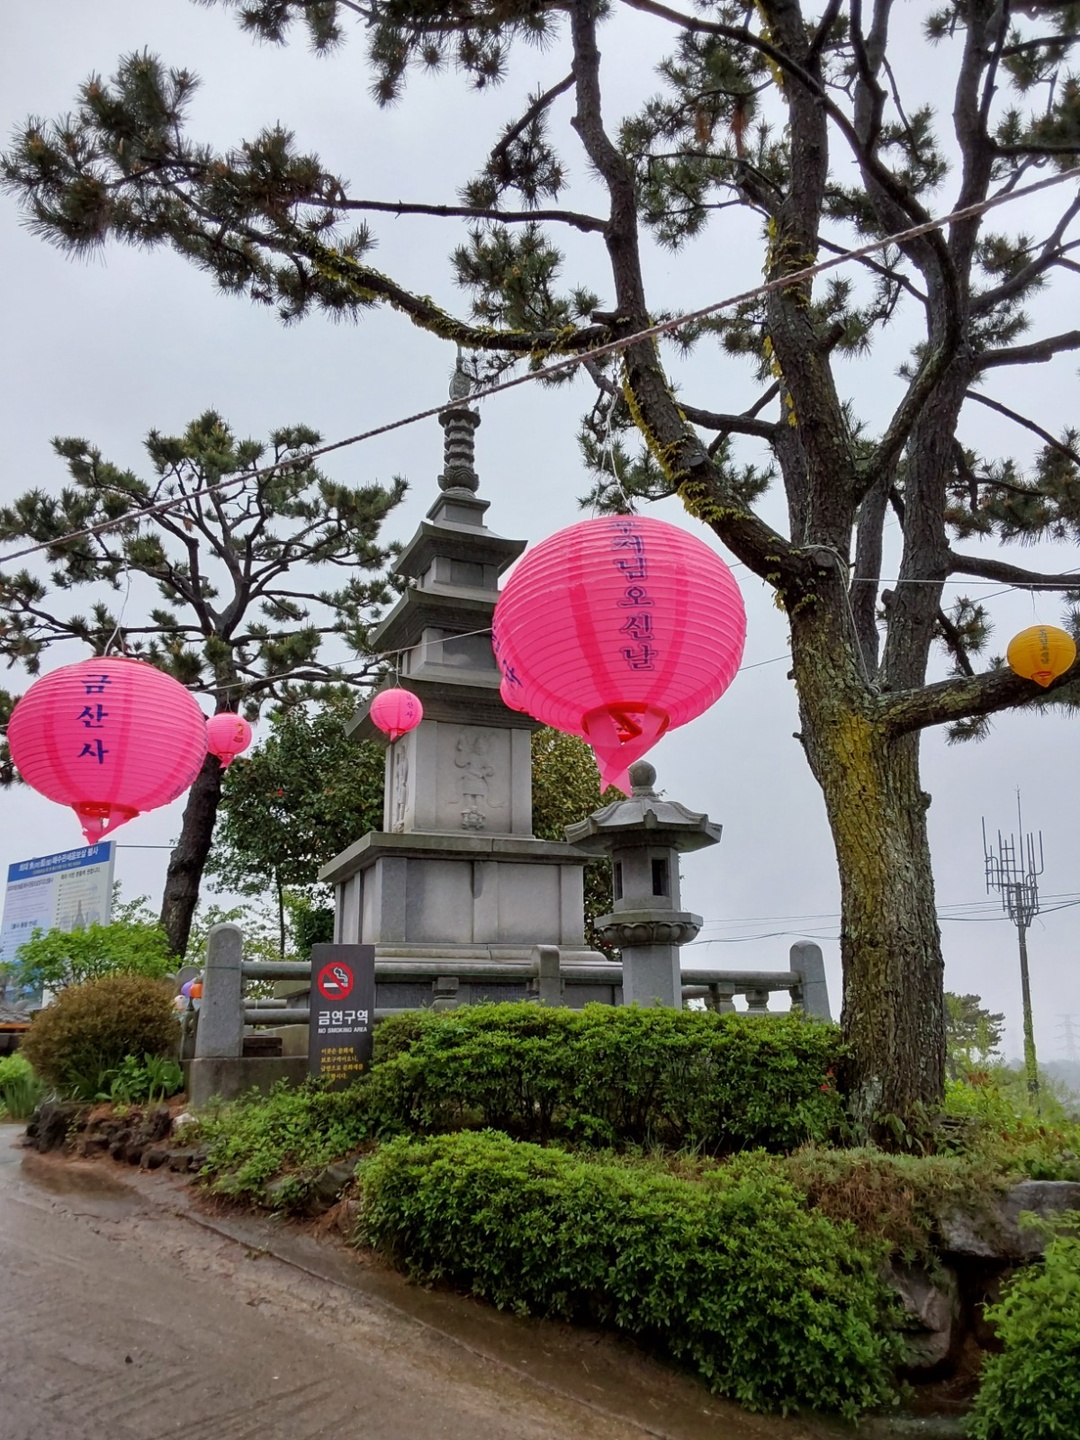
(458, 608)
(438, 538)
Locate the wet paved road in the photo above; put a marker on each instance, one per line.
(124, 1318)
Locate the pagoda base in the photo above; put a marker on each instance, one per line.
(460, 897)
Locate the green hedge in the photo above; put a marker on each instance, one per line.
(1031, 1391)
(610, 1077)
(773, 1305)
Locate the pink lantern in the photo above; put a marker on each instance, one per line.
(111, 738)
(396, 712)
(616, 630)
(227, 736)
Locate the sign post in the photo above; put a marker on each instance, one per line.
(342, 1013)
(66, 891)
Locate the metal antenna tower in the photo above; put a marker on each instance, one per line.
(1013, 871)
(1068, 1035)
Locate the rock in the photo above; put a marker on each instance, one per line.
(91, 1145)
(119, 1143)
(52, 1124)
(157, 1124)
(186, 1159)
(154, 1156)
(932, 1310)
(997, 1233)
(327, 1186)
(274, 1191)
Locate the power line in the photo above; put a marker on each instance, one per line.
(562, 367)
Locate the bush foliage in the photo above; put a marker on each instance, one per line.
(20, 1088)
(772, 1305)
(55, 959)
(610, 1077)
(80, 1041)
(1031, 1391)
(290, 1133)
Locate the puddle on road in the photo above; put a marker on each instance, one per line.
(87, 1189)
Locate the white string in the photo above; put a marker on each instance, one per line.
(561, 367)
(120, 617)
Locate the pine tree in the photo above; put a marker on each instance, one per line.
(241, 615)
(790, 115)
(305, 793)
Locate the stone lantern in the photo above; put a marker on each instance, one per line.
(645, 835)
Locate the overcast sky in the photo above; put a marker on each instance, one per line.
(108, 349)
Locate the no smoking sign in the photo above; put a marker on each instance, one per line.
(335, 981)
(342, 1013)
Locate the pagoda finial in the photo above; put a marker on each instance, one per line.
(459, 463)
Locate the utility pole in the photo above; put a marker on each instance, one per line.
(1013, 871)
(1067, 1027)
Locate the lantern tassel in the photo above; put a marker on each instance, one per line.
(96, 819)
(619, 735)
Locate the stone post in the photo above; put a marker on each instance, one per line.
(548, 974)
(808, 963)
(220, 1033)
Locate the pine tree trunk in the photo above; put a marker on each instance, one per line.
(893, 1010)
(187, 861)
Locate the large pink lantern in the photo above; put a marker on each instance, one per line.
(227, 736)
(616, 630)
(396, 712)
(111, 738)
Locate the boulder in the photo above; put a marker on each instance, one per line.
(996, 1233)
(327, 1186)
(931, 1302)
(51, 1125)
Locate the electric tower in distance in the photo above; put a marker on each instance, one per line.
(1013, 871)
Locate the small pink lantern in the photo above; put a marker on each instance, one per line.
(617, 630)
(227, 736)
(396, 712)
(111, 738)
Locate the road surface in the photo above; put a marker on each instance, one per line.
(126, 1313)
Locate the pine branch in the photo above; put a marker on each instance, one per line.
(1035, 354)
(1019, 419)
(472, 212)
(963, 698)
(987, 569)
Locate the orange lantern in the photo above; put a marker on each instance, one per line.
(1041, 653)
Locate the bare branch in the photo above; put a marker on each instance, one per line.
(1019, 419)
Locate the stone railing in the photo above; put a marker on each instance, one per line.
(435, 983)
(223, 1063)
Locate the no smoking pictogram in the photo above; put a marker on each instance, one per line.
(336, 981)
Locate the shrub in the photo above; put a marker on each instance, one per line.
(55, 959)
(998, 1121)
(20, 1088)
(773, 1305)
(78, 1043)
(611, 1077)
(293, 1133)
(1031, 1391)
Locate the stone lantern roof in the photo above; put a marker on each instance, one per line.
(657, 821)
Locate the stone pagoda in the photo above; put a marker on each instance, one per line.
(456, 873)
